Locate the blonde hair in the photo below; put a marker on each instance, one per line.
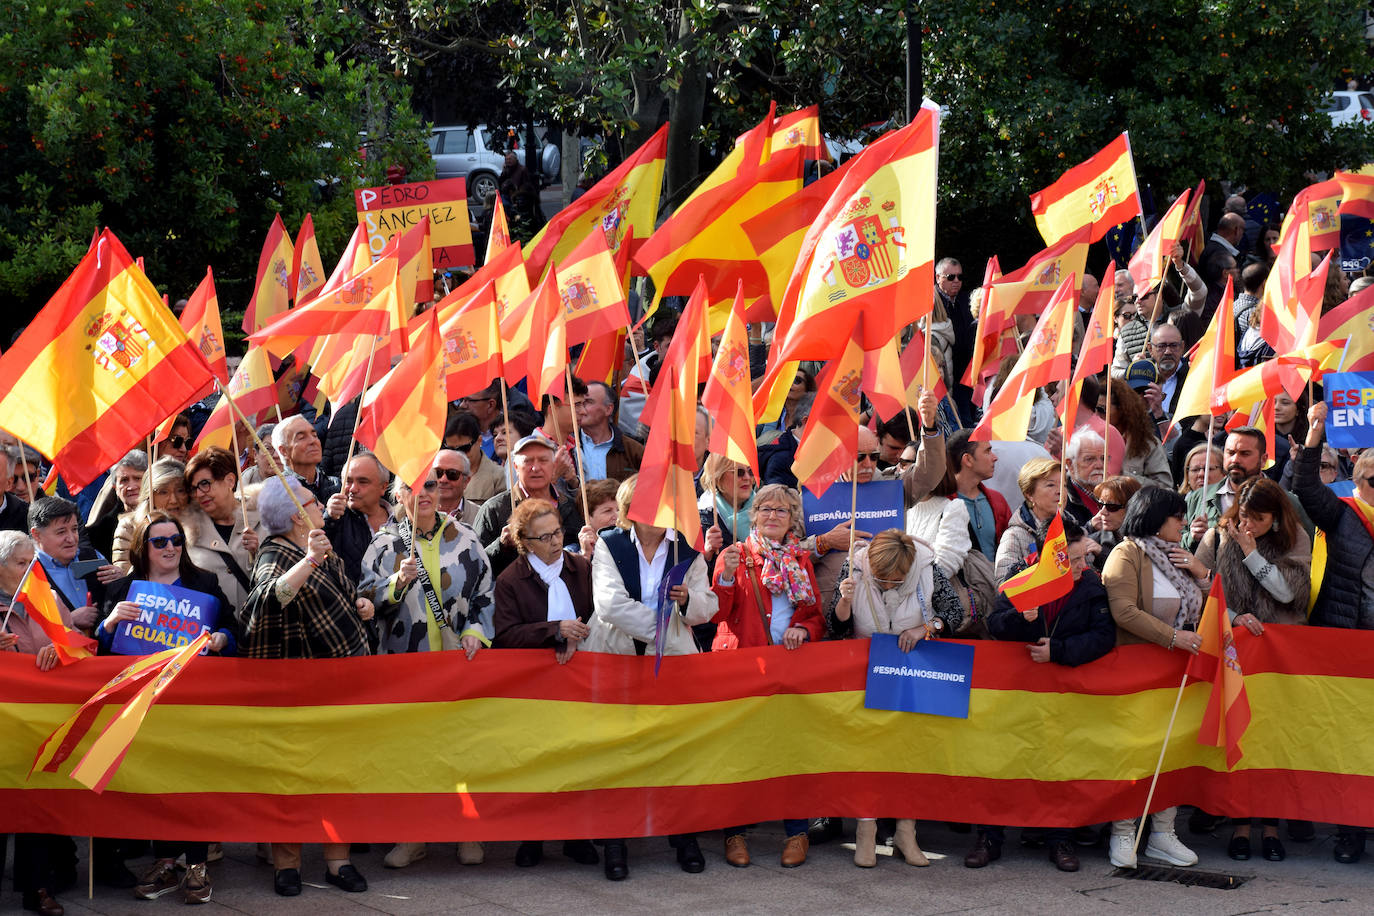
(715, 468)
(624, 495)
(777, 493)
(1034, 471)
(890, 554)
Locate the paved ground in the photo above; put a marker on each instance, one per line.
(1023, 882)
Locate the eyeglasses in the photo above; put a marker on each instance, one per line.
(312, 501)
(958, 277)
(1113, 507)
(552, 537)
(1328, 466)
(771, 510)
(204, 486)
(450, 473)
(744, 472)
(867, 456)
(1168, 345)
(464, 446)
(161, 543)
(178, 441)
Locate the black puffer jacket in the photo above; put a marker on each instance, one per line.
(1083, 631)
(335, 439)
(1349, 549)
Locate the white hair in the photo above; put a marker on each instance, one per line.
(1084, 437)
(276, 508)
(10, 541)
(282, 430)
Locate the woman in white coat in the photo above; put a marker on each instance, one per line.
(942, 523)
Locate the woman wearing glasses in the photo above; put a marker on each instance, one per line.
(768, 596)
(727, 495)
(1113, 495)
(164, 489)
(216, 539)
(1155, 589)
(158, 555)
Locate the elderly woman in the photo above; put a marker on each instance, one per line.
(158, 555)
(1264, 558)
(1112, 494)
(430, 581)
(164, 488)
(302, 605)
(1025, 533)
(216, 537)
(543, 601)
(630, 566)
(896, 585)
(1155, 589)
(727, 496)
(1202, 467)
(768, 595)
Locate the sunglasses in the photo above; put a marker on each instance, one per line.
(452, 474)
(744, 472)
(161, 543)
(867, 456)
(953, 277)
(464, 446)
(431, 485)
(1113, 507)
(178, 441)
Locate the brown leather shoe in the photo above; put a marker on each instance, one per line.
(40, 901)
(983, 852)
(737, 851)
(1063, 857)
(794, 851)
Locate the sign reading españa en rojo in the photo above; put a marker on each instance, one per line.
(392, 209)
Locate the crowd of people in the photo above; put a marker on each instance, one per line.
(515, 540)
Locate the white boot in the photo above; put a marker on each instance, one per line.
(403, 854)
(1121, 850)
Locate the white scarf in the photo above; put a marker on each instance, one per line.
(560, 599)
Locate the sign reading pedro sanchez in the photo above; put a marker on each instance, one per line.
(392, 209)
(935, 678)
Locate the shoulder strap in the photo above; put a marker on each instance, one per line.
(235, 569)
(436, 609)
(758, 599)
(626, 562)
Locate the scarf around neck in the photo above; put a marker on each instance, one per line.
(560, 599)
(782, 573)
(1189, 595)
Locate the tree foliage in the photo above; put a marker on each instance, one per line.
(184, 126)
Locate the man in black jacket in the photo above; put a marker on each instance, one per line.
(14, 512)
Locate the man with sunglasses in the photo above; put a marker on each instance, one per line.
(953, 294)
(451, 468)
(353, 516)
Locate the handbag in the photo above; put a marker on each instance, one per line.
(976, 586)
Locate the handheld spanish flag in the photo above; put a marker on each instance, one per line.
(1049, 579)
(272, 289)
(1147, 264)
(830, 440)
(307, 267)
(37, 599)
(1228, 708)
(200, 320)
(727, 396)
(401, 418)
(1100, 192)
(1350, 321)
(498, 236)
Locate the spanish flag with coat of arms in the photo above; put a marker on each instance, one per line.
(1050, 578)
(1100, 192)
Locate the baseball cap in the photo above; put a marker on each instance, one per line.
(534, 438)
(1141, 374)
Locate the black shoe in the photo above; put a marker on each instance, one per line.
(347, 879)
(580, 851)
(1063, 857)
(1349, 848)
(1086, 836)
(359, 847)
(689, 856)
(617, 862)
(41, 902)
(529, 854)
(1032, 838)
(115, 875)
(1301, 831)
(1202, 823)
(1273, 850)
(287, 882)
(983, 852)
(1239, 848)
(825, 829)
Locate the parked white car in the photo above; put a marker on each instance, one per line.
(478, 154)
(1349, 107)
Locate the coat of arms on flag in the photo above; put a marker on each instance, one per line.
(1103, 196)
(865, 248)
(578, 294)
(120, 342)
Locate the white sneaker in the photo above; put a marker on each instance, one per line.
(1166, 847)
(403, 854)
(471, 853)
(1121, 851)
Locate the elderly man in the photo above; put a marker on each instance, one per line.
(14, 512)
(606, 452)
(355, 515)
(54, 527)
(217, 539)
(1242, 458)
(534, 477)
(298, 446)
(119, 494)
(451, 467)
(1166, 347)
(1085, 469)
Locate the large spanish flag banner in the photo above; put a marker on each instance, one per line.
(353, 750)
(99, 368)
(1100, 193)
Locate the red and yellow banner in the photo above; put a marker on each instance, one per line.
(346, 749)
(391, 209)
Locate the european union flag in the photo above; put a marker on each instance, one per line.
(1122, 241)
(1263, 208)
(1357, 243)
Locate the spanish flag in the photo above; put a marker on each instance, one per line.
(1350, 321)
(1292, 287)
(253, 390)
(307, 268)
(525, 331)
(201, 322)
(554, 365)
(272, 289)
(665, 495)
(882, 380)
(1212, 364)
(1050, 579)
(355, 259)
(1357, 194)
(401, 418)
(625, 200)
(996, 336)
(99, 368)
(590, 288)
(1228, 708)
(1100, 193)
(601, 356)
(471, 343)
(1095, 353)
(498, 236)
(1047, 357)
(415, 265)
(1029, 290)
(728, 395)
(830, 440)
(1319, 206)
(1148, 263)
(1190, 230)
(36, 597)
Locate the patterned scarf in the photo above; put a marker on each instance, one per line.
(1189, 595)
(782, 572)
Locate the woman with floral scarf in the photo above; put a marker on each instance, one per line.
(767, 593)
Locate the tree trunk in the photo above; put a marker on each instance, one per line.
(685, 110)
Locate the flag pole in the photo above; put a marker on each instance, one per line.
(1149, 796)
(238, 481)
(577, 448)
(1107, 422)
(24, 462)
(510, 459)
(276, 467)
(18, 590)
(1207, 461)
(853, 510)
(357, 417)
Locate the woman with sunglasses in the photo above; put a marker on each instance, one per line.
(896, 585)
(158, 555)
(1112, 494)
(1155, 589)
(767, 591)
(727, 495)
(163, 489)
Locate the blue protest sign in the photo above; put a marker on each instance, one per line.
(934, 678)
(666, 606)
(169, 616)
(879, 507)
(1350, 409)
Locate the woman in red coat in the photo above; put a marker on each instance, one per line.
(768, 595)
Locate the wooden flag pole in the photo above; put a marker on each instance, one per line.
(510, 459)
(238, 481)
(90, 869)
(1149, 796)
(276, 466)
(367, 379)
(577, 448)
(853, 510)
(1107, 422)
(1207, 461)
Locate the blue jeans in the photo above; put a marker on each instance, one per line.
(790, 825)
